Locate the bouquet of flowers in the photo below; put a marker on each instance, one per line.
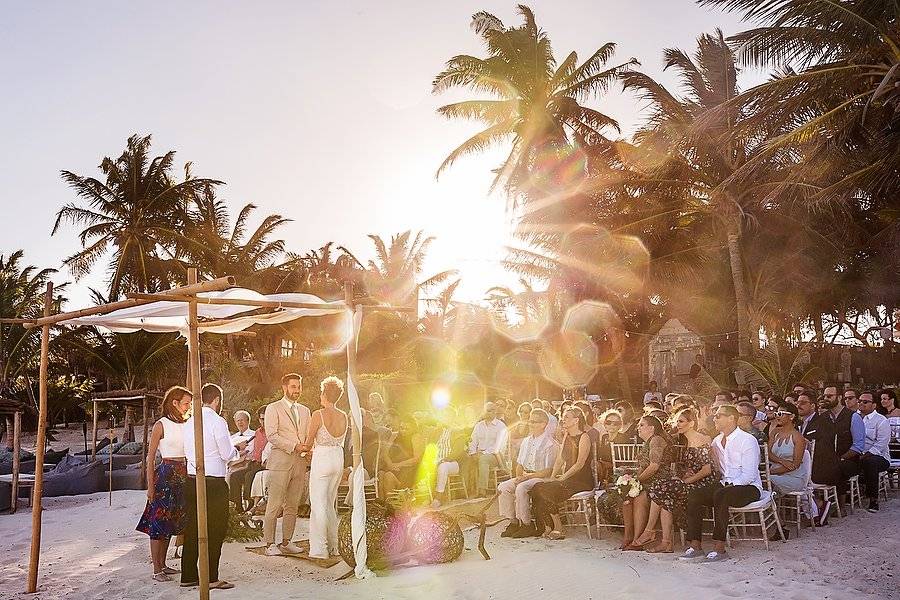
(628, 486)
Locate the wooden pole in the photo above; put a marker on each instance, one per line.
(146, 417)
(194, 362)
(112, 435)
(16, 466)
(94, 433)
(36, 507)
(214, 285)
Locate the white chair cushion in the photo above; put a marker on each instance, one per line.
(582, 495)
(765, 499)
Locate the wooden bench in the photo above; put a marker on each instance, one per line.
(25, 481)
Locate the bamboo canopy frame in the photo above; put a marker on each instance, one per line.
(14, 409)
(137, 398)
(188, 294)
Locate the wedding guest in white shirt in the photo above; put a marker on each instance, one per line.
(242, 439)
(534, 464)
(217, 451)
(876, 453)
(488, 436)
(738, 455)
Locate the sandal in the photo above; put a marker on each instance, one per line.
(633, 548)
(556, 535)
(221, 585)
(161, 576)
(170, 571)
(662, 547)
(625, 544)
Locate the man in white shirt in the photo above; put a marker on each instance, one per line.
(653, 394)
(484, 447)
(286, 423)
(242, 439)
(217, 451)
(537, 454)
(876, 453)
(738, 454)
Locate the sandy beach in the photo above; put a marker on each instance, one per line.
(91, 551)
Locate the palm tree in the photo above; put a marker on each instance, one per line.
(135, 213)
(838, 104)
(22, 291)
(219, 249)
(535, 103)
(392, 276)
(692, 146)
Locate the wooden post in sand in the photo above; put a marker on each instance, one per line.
(194, 363)
(35, 556)
(112, 434)
(16, 466)
(145, 419)
(94, 433)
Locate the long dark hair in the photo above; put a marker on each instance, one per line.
(172, 395)
(658, 428)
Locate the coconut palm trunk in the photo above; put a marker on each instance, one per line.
(741, 297)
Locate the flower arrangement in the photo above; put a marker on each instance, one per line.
(628, 486)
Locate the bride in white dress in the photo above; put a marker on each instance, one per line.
(326, 468)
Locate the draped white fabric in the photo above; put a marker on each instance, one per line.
(167, 316)
(358, 516)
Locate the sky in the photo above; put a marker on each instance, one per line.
(318, 111)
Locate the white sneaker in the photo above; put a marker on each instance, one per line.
(273, 550)
(290, 548)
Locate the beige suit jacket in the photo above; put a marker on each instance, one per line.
(284, 435)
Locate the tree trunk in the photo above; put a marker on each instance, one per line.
(741, 297)
(819, 327)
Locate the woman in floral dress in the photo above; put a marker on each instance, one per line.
(164, 515)
(668, 495)
(654, 465)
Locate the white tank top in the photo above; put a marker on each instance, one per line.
(172, 443)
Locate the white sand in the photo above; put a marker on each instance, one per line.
(92, 551)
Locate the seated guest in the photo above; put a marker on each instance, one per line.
(850, 435)
(612, 425)
(572, 473)
(534, 463)
(825, 464)
(888, 404)
(488, 437)
(851, 399)
(789, 462)
(654, 467)
(451, 453)
(668, 496)
(745, 421)
(519, 429)
(590, 420)
(629, 425)
(405, 452)
(876, 455)
(254, 461)
(737, 453)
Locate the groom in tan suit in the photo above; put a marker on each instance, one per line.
(286, 423)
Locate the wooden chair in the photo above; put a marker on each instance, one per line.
(855, 494)
(455, 484)
(765, 509)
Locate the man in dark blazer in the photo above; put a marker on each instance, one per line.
(826, 468)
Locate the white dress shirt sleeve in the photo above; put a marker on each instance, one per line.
(748, 462)
(226, 449)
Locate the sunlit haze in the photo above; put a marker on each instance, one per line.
(321, 112)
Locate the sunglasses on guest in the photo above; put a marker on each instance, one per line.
(784, 413)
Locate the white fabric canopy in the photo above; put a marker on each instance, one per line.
(168, 316)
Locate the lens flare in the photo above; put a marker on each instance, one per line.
(440, 397)
(568, 359)
(599, 321)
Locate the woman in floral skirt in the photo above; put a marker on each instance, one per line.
(654, 465)
(164, 515)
